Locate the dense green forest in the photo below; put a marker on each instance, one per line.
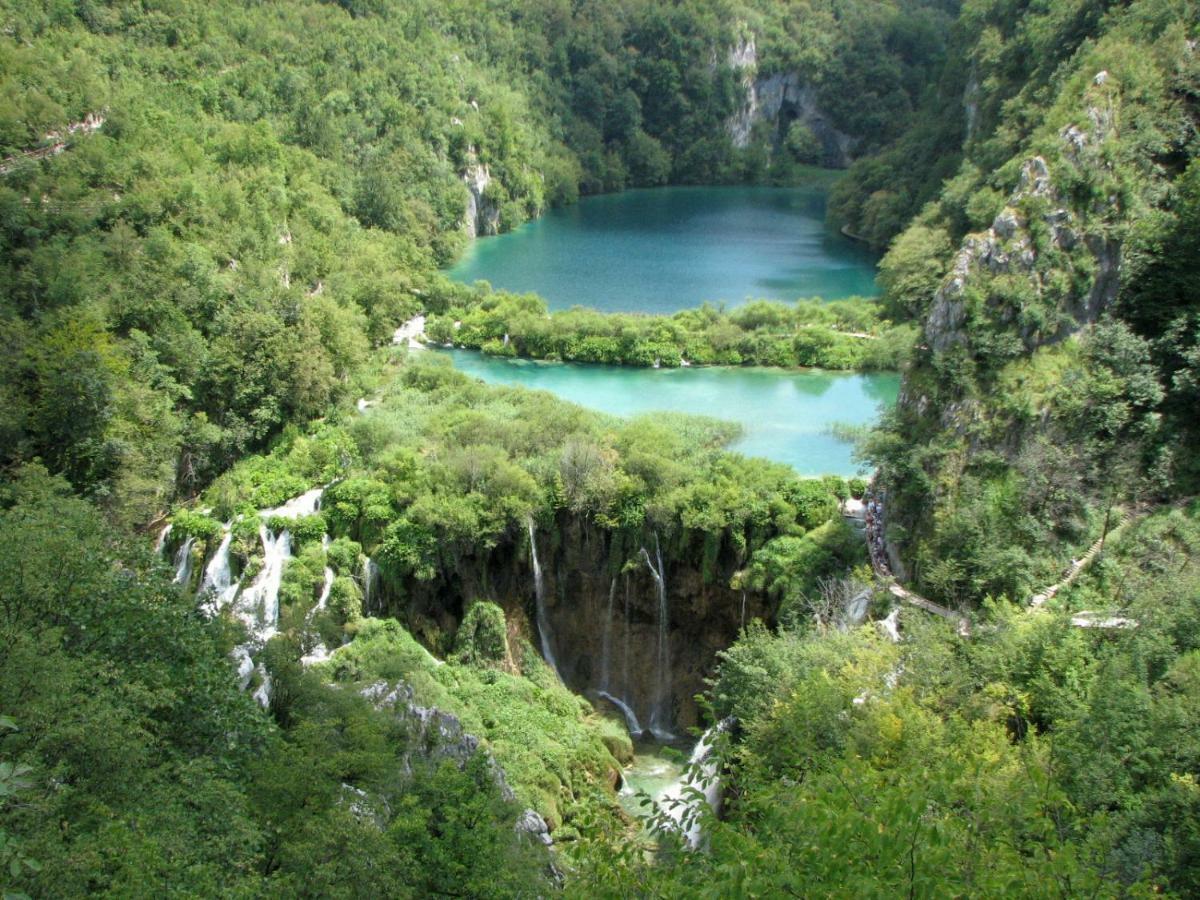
(383, 645)
(840, 334)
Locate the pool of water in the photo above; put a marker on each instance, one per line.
(655, 767)
(786, 414)
(665, 249)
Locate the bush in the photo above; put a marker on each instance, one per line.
(482, 637)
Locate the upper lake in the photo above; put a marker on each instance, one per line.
(664, 249)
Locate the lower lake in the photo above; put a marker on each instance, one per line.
(786, 415)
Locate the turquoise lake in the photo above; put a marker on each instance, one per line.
(665, 249)
(785, 415)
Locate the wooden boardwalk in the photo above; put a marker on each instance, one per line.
(877, 548)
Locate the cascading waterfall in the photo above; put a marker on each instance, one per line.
(631, 719)
(258, 606)
(320, 652)
(259, 603)
(543, 621)
(218, 585)
(370, 578)
(306, 504)
(625, 648)
(245, 667)
(183, 561)
(161, 542)
(606, 645)
(743, 609)
(700, 783)
(262, 694)
(326, 589)
(660, 717)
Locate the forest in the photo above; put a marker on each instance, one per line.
(287, 609)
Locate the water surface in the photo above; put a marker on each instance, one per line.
(785, 414)
(654, 769)
(665, 249)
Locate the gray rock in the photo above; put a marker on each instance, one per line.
(531, 824)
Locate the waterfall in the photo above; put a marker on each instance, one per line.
(606, 651)
(258, 606)
(660, 715)
(262, 693)
(679, 801)
(370, 578)
(625, 648)
(743, 610)
(183, 561)
(891, 625)
(320, 652)
(259, 603)
(161, 542)
(539, 591)
(245, 665)
(218, 585)
(306, 504)
(631, 719)
(326, 588)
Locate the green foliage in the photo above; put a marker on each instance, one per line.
(547, 741)
(1033, 753)
(845, 334)
(187, 523)
(482, 638)
(177, 782)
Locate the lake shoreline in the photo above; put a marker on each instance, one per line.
(796, 418)
(670, 248)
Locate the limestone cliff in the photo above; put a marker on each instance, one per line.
(603, 609)
(482, 214)
(983, 403)
(778, 99)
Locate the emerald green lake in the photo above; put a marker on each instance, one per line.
(785, 414)
(665, 249)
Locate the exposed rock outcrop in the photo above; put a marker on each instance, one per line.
(482, 215)
(1008, 247)
(779, 99)
(603, 610)
(434, 735)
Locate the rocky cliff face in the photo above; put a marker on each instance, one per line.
(1034, 238)
(603, 607)
(779, 99)
(1046, 268)
(482, 215)
(436, 735)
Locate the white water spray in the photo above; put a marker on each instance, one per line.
(660, 716)
(218, 587)
(631, 720)
(700, 783)
(539, 591)
(258, 606)
(606, 648)
(370, 579)
(183, 561)
(161, 542)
